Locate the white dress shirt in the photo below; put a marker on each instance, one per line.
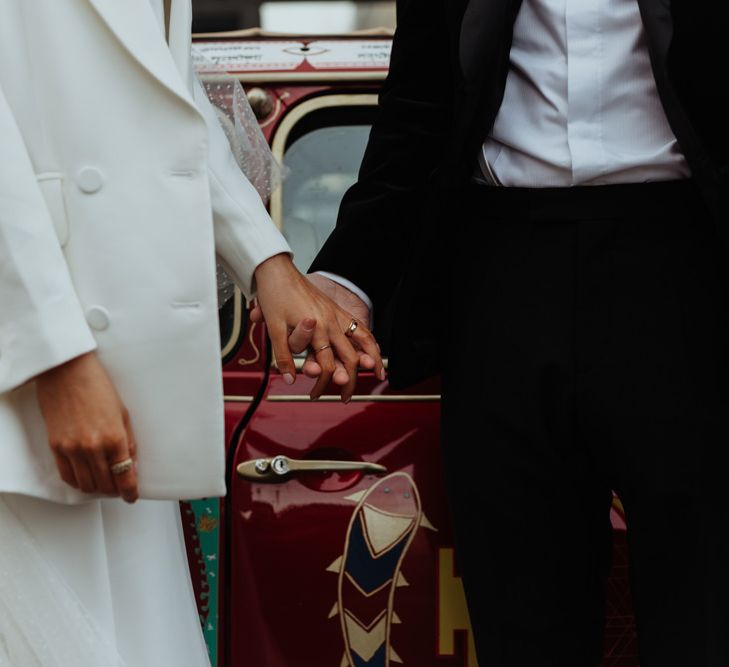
(581, 105)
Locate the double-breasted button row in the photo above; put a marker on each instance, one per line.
(89, 180)
(97, 318)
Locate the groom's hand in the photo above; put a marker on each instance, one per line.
(349, 301)
(302, 336)
(299, 315)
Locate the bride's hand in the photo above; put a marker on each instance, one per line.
(89, 429)
(287, 299)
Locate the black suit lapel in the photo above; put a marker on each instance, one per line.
(658, 24)
(486, 24)
(659, 27)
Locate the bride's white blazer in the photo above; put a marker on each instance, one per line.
(117, 187)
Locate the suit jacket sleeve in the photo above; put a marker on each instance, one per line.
(245, 235)
(42, 324)
(379, 214)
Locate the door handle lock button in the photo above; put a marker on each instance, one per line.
(280, 465)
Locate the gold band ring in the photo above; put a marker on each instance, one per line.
(123, 466)
(323, 347)
(351, 328)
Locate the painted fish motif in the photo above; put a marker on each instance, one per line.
(379, 535)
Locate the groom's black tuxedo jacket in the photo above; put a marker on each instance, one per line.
(448, 73)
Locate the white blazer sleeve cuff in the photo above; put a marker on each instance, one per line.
(245, 235)
(46, 337)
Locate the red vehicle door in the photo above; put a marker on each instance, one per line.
(352, 566)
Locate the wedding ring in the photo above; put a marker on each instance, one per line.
(123, 466)
(351, 328)
(322, 348)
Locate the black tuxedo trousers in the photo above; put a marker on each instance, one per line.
(589, 353)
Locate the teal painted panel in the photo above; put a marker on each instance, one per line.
(202, 532)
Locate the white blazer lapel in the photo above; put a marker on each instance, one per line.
(180, 38)
(132, 23)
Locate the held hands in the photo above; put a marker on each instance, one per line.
(359, 310)
(88, 428)
(315, 313)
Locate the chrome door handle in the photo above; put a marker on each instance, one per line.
(279, 468)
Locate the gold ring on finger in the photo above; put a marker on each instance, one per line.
(351, 328)
(122, 467)
(323, 347)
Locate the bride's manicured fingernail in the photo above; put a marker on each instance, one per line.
(288, 379)
(309, 324)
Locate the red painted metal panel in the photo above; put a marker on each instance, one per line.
(288, 539)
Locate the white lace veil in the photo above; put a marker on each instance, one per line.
(247, 143)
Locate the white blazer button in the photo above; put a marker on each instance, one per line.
(98, 318)
(90, 180)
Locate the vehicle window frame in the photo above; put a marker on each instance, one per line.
(280, 143)
(296, 115)
(229, 347)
